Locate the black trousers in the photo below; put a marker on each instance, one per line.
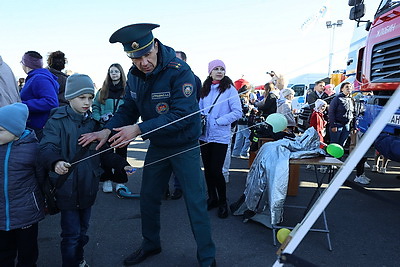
(213, 156)
(21, 244)
(118, 176)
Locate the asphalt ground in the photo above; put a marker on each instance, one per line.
(364, 230)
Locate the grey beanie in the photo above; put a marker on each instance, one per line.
(13, 118)
(78, 84)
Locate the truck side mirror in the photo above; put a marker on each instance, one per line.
(354, 2)
(368, 25)
(357, 12)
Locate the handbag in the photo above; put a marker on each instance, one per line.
(204, 117)
(49, 190)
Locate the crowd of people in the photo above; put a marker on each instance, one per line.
(55, 120)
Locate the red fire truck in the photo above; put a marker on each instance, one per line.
(378, 66)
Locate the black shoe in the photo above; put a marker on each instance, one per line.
(177, 194)
(140, 255)
(212, 203)
(213, 264)
(223, 210)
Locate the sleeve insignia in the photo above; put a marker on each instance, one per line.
(187, 89)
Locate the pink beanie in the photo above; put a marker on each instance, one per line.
(215, 63)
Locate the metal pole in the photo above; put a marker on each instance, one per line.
(332, 39)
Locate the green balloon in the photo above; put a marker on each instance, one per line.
(277, 121)
(335, 150)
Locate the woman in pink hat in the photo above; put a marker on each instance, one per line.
(220, 104)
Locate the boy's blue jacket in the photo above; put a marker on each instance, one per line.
(165, 95)
(60, 142)
(21, 201)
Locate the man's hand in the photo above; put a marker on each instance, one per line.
(62, 167)
(124, 135)
(100, 136)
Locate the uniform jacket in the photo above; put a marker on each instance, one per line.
(227, 110)
(110, 105)
(161, 97)
(62, 80)
(341, 111)
(21, 201)
(40, 95)
(60, 142)
(8, 85)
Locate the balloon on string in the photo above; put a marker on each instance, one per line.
(335, 150)
(282, 234)
(277, 121)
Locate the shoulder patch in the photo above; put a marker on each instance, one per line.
(174, 65)
(187, 89)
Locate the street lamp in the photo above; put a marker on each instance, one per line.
(332, 26)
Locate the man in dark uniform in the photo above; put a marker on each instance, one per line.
(160, 89)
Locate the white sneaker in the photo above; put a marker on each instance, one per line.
(362, 179)
(83, 264)
(366, 165)
(107, 186)
(382, 170)
(374, 168)
(309, 166)
(118, 186)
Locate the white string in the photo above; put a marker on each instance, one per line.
(172, 122)
(156, 129)
(173, 155)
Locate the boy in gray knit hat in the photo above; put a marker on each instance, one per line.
(59, 148)
(21, 201)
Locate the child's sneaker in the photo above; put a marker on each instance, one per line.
(362, 179)
(382, 170)
(107, 186)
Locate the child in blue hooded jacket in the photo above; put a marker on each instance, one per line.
(21, 201)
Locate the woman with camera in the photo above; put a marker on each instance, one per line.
(105, 104)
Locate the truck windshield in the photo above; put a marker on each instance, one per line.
(385, 5)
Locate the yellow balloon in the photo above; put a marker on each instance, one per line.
(282, 234)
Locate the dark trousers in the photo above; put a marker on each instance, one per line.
(360, 166)
(74, 226)
(21, 242)
(118, 176)
(213, 156)
(186, 167)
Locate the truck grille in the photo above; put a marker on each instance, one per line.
(385, 66)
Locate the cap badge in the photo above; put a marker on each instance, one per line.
(135, 45)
